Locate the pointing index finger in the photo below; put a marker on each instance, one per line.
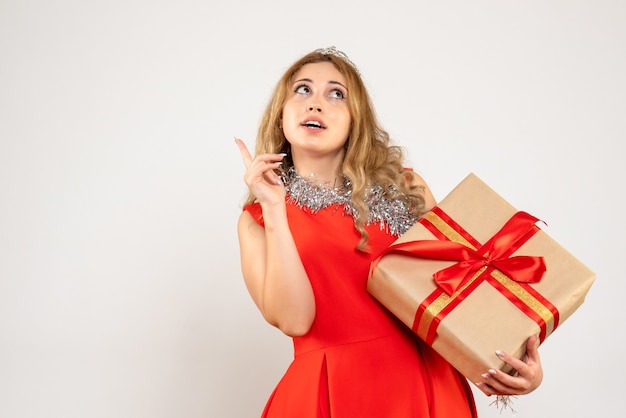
(245, 154)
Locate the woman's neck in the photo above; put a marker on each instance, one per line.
(319, 170)
(319, 177)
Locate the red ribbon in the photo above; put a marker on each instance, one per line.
(495, 252)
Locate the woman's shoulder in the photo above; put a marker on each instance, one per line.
(413, 177)
(417, 181)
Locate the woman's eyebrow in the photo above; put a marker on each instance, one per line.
(337, 82)
(308, 80)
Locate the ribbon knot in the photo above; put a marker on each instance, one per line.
(496, 253)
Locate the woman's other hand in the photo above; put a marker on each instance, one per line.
(528, 378)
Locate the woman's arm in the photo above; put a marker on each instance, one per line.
(271, 265)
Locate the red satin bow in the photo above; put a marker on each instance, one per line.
(496, 252)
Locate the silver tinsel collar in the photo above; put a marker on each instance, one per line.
(391, 214)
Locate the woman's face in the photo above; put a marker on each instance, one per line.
(316, 117)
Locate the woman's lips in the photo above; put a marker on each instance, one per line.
(313, 124)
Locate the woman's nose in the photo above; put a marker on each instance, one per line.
(314, 108)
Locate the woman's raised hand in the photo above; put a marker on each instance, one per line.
(261, 176)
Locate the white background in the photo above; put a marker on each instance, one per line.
(120, 183)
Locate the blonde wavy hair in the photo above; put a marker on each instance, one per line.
(370, 157)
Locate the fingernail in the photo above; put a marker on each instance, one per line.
(485, 376)
(492, 372)
(283, 154)
(499, 353)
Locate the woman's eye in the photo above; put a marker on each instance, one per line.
(337, 94)
(303, 89)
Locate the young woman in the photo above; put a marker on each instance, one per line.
(328, 193)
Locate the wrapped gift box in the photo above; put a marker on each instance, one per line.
(474, 308)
